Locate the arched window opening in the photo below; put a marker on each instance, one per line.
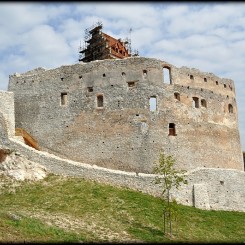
(177, 96)
(195, 102)
(205, 79)
(230, 108)
(153, 103)
(144, 73)
(217, 83)
(167, 75)
(191, 77)
(224, 85)
(100, 100)
(171, 129)
(203, 103)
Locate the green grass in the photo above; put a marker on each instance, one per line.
(59, 209)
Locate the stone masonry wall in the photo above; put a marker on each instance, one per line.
(208, 188)
(7, 109)
(218, 189)
(61, 109)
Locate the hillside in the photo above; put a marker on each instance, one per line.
(66, 209)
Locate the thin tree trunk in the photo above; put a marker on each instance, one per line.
(170, 223)
(164, 222)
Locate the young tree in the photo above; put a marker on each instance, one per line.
(168, 177)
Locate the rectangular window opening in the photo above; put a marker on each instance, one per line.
(100, 101)
(153, 103)
(63, 98)
(171, 129)
(195, 102)
(90, 89)
(131, 84)
(167, 75)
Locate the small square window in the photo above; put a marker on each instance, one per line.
(90, 89)
(131, 84)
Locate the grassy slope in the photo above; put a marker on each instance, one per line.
(59, 209)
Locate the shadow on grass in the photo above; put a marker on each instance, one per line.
(147, 233)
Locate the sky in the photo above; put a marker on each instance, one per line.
(208, 36)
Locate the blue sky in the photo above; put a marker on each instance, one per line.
(207, 36)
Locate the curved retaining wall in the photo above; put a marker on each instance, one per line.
(208, 188)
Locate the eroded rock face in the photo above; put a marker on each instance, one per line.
(16, 166)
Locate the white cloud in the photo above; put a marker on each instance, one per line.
(42, 42)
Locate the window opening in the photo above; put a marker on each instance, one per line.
(153, 103)
(230, 108)
(195, 102)
(104, 75)
(177, 96)
(100, 100)
(203, 103)
(217, 83)
(131, 84)
(90, 89)
(144, 73)
(63, 98)
(224, 85)
(205, 79)
(166, 75)
(171, 129)
(191, 77)
(123, 73)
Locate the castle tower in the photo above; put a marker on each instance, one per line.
(119, 114)
(100, 46)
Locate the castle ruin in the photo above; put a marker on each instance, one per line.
(119, 113)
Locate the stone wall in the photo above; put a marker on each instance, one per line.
(7, 110)
(207, 188)
(3, 129)
(60, 109)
